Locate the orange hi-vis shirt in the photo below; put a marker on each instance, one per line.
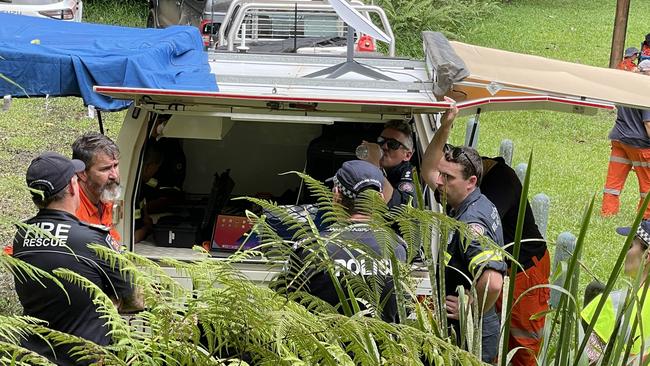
(627, 64)
(88, 212)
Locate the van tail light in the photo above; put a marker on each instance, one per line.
(64, 14)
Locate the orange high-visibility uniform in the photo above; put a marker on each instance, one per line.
(524, 331)
(627, 64)
(90, 213)
(622, 158)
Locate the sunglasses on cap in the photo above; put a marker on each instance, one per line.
(452, 153)
(391, 143)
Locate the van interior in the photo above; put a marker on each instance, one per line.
(243, 158)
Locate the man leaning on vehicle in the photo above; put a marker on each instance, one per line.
(55, 238)
(456, 173)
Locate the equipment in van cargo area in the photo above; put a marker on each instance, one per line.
(185, 231)
(229, 233)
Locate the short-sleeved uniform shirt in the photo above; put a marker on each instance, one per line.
(401, 178)
(469, 258)
(629, 127)
(320, 283)
(103, 215)
(503, 188)
(67, 235)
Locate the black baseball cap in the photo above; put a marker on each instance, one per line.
(50, 172)
(356, 175)
(642, 232)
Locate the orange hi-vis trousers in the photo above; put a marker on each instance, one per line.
(622, 159)
(524, 331)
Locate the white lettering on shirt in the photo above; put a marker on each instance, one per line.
(44, 234)
(363, 267)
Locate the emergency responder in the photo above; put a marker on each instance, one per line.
(637, 261)
(456, 173)
(151, 162)
(100, 181)
(630, 139)
(167, 182)
(351, 180)
(53, 239)
(396, 143)
(502, 187)
(628, 63)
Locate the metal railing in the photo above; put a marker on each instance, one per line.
(277, 21)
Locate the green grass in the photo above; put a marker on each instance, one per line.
(570, 151)
(118, 12)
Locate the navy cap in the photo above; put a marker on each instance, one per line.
(631, 51)
(642, 232)
(50, 172)
(356, 175)
(647, 38)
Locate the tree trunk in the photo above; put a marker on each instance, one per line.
(620, 29)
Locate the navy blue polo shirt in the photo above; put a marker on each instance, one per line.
(57, 239)
(401, 178)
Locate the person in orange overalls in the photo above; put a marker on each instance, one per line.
(629, 58)
(99, 182)
(630, 148)
(502, 187)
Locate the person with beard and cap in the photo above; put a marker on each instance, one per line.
(393, 152)
(456, 173)
(350, 182)
(55, 238)
(100, 181)
(637, 262)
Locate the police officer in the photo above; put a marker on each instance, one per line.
(456, 174)
(55, 238)
(396, 143)
(349, 246)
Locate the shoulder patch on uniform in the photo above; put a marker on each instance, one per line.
(97, 226)
(406, 187)
(477, 229)
(112, 242)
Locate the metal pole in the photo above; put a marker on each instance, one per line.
(101, 123)
(620, 29)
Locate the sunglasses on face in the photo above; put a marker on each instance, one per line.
(452, 153)
(391, 143)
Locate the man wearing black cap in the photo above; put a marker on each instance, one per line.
(637, 262)
(55, 238)
(355, 248)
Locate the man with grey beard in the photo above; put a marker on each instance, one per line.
(99, 182)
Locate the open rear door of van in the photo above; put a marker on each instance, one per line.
(276, 87)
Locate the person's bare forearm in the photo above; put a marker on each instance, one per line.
(646, 124)
(493, 282)
(433, 154)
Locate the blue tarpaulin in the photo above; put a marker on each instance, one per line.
(56, 58)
